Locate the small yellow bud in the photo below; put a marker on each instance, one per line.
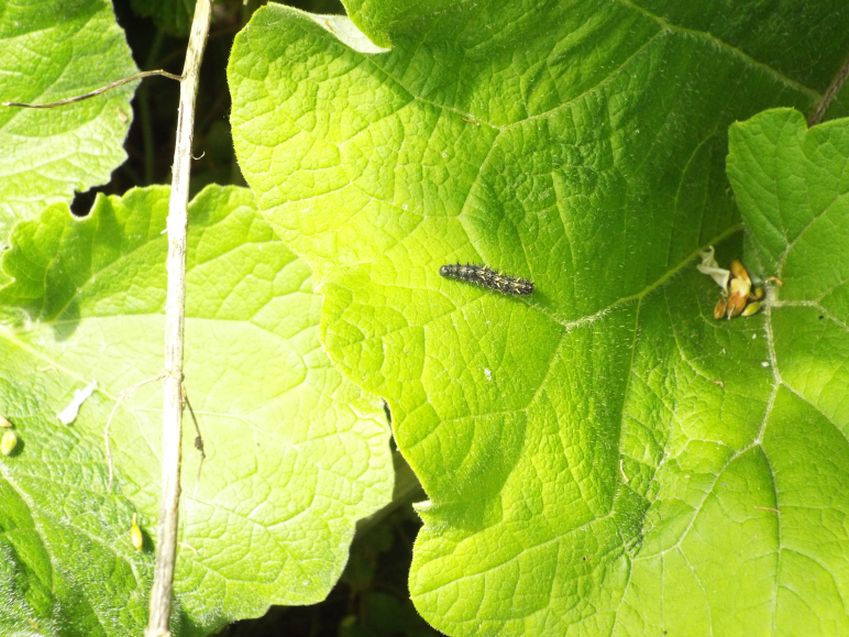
(8, 442)
(752, 308)
(757, 294)
(736, 304)
(739, 272)
(4, 422)
(719, 308)
(136, 536)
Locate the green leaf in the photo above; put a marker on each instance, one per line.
(790, 184)
(595, 455)
(52, 50)
(295, 454)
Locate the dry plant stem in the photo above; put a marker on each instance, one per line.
(830, 94)
(108, 87)
(172, 408)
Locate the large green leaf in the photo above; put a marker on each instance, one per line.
(792, 188)
(295, 454)
(594, 454)
(50, 50)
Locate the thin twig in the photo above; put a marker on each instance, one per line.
(198, 438)
(108, 87)
(175, 308)
(830, 94)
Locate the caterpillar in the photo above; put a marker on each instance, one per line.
(487, 278)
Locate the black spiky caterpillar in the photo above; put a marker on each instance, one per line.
(487, 278)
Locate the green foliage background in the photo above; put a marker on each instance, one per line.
(601, 457)
(605, 445)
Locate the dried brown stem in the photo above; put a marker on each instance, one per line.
(107, 87)
(830, 94)
(175, 305)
